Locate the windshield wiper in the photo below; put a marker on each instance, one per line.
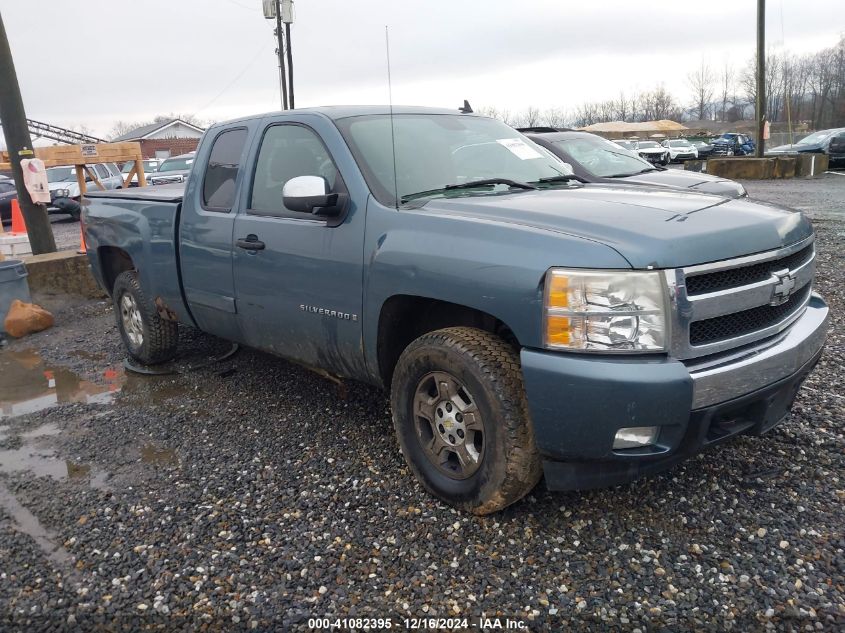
(637, 173)
(490, 181)
(487, 182)
(561, 178)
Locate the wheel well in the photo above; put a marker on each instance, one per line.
(113, 261)
(405, 318)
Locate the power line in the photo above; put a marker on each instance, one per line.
(233, 81)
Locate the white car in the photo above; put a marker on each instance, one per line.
(653, 152)
(64, 187)
(151, 166)
(680, 149)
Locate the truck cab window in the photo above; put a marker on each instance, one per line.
(287, 151)
(218, 188)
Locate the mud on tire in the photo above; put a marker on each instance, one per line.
(148, 338)
(477, 377)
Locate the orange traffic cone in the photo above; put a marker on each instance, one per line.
(83, 248)
(18, 225)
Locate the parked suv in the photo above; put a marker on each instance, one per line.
(680, 149)
(732, 144)
(653, 152)
(7, 194)
(173, 170)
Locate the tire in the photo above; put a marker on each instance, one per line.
(479, 375)
(148, 338)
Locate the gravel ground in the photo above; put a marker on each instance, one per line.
(254, 494)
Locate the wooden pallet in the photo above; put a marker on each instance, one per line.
(80, 156)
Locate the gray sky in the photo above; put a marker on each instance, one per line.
(98, 61)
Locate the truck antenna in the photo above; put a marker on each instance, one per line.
(392, 131)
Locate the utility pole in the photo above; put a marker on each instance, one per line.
(281, 52)
(282, 12)
(19, 146)
(286, 10)
(761, 77)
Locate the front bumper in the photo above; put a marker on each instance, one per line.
(579, 402)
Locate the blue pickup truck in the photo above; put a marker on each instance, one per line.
(525, 323)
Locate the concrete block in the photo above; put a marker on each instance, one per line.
(810, 165)
(65, 272)
(15, 246)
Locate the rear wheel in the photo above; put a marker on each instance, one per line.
(148, 338)
(461, 416)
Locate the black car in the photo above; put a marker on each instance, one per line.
(596, 159)
(830, 142)
(704, 149)
(7, 194)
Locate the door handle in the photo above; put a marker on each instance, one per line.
(250, 243)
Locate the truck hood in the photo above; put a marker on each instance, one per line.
(662, 228)
(681, 179)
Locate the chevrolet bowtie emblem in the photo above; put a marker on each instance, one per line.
(784, 287)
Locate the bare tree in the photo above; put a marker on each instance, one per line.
(726, 81)
(554, 117)
(123, 127)
(701, 83)
(622, 107)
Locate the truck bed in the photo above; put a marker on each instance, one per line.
(159, 193)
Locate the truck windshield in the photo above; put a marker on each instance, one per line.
(61, 174)
(176, 164)
(434, 151)
(603, 158)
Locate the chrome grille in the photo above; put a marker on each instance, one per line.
(739, 323)
(735, 277)
(720, 306)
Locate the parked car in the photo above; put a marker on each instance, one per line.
(653, 152)
(596, 159)
(630, 145)
(680, 149)
(173, 170)
(524, 323)
(830, 142)
(703, 148)
(64, 186)
(7, 194)
(150, 167)
(732, 144)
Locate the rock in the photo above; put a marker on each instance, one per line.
(26, 318)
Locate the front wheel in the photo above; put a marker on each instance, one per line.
(148, 338)
(461, 417)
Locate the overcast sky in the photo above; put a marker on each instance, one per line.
(98, 61)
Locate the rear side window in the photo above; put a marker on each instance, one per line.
(101, 170)
(218, 187)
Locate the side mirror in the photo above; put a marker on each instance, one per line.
(310, 194)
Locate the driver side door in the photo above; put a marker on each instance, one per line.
(298, 276)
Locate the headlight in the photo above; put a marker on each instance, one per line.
(605, 311)
(63, 193)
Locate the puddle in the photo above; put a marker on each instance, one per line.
(28, 384)
(151, 454)
(43, 461)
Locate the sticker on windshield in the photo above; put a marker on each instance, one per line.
(519, 148)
